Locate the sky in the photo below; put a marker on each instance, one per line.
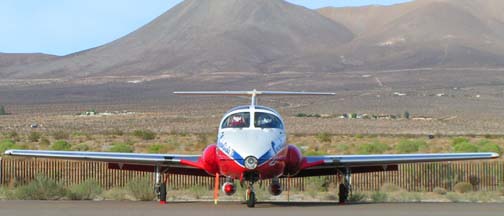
(62, 27)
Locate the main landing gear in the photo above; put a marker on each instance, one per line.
(160, 186)
(345, 187)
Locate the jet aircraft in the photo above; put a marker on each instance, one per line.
(251, 146)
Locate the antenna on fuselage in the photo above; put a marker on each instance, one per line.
(254, 94)
(254, 98)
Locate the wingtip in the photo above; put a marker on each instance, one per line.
(495, 155)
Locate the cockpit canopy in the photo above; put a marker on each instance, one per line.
(237, 120)
(261, 120)
(266, 120)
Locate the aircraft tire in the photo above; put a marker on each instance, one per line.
(343, 193)
(251, 200)
(162, 193)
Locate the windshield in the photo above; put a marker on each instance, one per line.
(266, 120)
(237, 120)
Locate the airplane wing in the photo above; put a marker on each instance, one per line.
(333, 164)
(179, 164)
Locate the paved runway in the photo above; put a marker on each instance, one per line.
(110, 208)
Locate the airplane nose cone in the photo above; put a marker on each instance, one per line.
(251, 147)
(251, 162)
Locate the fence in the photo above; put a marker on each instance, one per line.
(484, 175)
(19, 171)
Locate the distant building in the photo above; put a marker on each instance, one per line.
(91, 113)
(421, 118)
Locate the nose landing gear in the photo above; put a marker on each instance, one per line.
(250, 195)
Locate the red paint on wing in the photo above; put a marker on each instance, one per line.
(192, 164)
(305, 164)
(205, 166)
(151, 168)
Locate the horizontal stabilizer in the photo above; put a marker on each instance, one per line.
(253, 93)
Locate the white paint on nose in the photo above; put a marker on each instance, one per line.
(251, 142)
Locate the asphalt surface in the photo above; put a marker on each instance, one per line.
(110, 208)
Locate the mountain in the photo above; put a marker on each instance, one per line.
(200, 36)
(10, 59)
(236, 38)
(424, 33)
(439, 58)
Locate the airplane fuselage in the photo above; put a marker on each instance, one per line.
(251, 143)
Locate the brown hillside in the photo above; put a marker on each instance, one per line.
(208, 35)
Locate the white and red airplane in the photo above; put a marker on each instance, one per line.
(252, 146)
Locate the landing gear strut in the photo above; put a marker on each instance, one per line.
(250, 196)
(345, 187)
(162, 193)
(160, 186)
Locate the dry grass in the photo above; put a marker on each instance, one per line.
(388, 193)
(202, 115)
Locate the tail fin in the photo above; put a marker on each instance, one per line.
(254, 93)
